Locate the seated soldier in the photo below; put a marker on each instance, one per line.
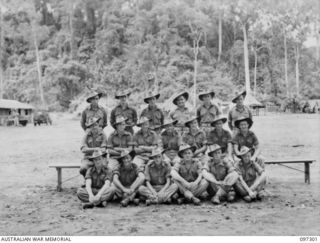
(170, 140)
(127, 178)
(252, 178)
(118, 141)
(97, 190)
(145, 140)
(94, 140)
(153, 112)
(159, 188)
(188, 175)
(221, 137)
(181, 113)
(247, 138)
(196, 137)
(220, 174)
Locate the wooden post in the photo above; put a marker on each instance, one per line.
(59, 172)
(307, 172)
(1, 71)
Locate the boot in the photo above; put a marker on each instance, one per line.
(195, 201)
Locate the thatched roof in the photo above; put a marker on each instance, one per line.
(14, 104)
(251, 101)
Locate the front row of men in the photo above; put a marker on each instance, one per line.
(188, 180)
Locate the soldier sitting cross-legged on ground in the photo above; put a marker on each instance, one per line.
(159, 187)
(97, 189)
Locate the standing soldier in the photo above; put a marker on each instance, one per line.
(252, 176)
(153, 112)
(94, 140)
(170, 141)
(181, 113)
(123, 109)
(94, 110)
(159, 188)
(196, 137)
(220, 174)
(221, 137)
(239, 110)
(207, 112)
(145, 140)
(127, 178)
(118, 141)
(188, 175)
(98, 189)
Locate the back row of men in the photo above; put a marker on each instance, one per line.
(182, 157)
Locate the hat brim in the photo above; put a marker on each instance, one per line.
(118, 96)
(248, 120)
(132, 153)
(191, 120)
(90, 97)
(244, 93)
(114, 125)
(154, 155)
(210, 154)
(93, 157)
(90, 124)
(140, 123)
(240, 155)
(193, 149)
(184, 94)
(212, 94)
(223, 119)
(147, 98)
(170, 123)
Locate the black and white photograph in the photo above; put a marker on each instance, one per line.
(159, 118)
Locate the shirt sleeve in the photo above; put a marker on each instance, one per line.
(105, 118)
(112, 117)
(255, 140)
(229, 166)
(88, 174)
(83, 120)
(147, 173)
(229, 138)
(134, 116)
(138, 169)
(258, 168)
(104, 140)
(204, 138)
(200, 167)
(235, 140)
(115, 172)
(108, 176)
(206, 167)
(176, 167)
(84, 142)
(237, 168)
(219, 112)
(155, 139)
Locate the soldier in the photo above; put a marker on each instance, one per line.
(252, 178)
(196, 137)
(159, 188)
(123, 109)
(207, 112)
(220, 174)
(170, 140)
(145, 140)
(94, 110)
(127, 178)
(247, 138)
(94, 140)
(221, 137)
(239, 110)
(153, 112)
(118, 141)
(181, 113)
(98, 189)
(188, 175)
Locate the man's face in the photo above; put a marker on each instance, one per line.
(145, 126)
(193, 124)
(123, 100)
(206, 98)
(246, 157)
(244, 126)
(217, 154)
(126, 160)
(121, 126)
(157, 159)
(152, 101)
(240, 100)
(95, 100)
(218, 125)
(169, 128)
(187, 154)
(181, 101)
(98, 161)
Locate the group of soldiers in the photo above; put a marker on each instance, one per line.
(185, 157)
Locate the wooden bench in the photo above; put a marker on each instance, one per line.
(306, 163)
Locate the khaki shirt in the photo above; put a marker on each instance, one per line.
(180, 115)
(236, 113)
(157, 175)
(117, 140)
(148, 139)
(198, 139)
(90, 112)
(250, 140)
(249, 173)
(219, 169)
(189, 173)
(207, 115)
(222, 140)
(127, 175)
(91, 140)
(154, 114)
(171, 142)
(98, 178)
(127, 112)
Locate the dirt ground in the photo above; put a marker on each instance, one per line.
(30, 204)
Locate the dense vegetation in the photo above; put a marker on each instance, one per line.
(52, 50)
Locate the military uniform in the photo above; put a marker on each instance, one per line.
(158, 175)
(155, 116)
(171, 143)
(222, 139)
(98, 112)
(181, 115)
(236, 113)
(199, 140)
(128, 112)
(206, 116)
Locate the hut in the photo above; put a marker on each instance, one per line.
(24, 110)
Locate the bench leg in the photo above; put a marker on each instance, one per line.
(307, 173)
(59, 179)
